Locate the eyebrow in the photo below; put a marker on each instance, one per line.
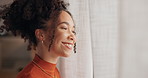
(65, 23)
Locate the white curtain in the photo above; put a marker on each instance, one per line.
(105, 35)
(134, 40)
(97, 40)
(79, 65)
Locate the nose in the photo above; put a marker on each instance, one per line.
(72, 37)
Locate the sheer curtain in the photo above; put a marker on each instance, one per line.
(97, 40)
(104, 19)
(79, 65)
(134, 42)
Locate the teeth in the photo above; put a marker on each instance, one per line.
(69, 45)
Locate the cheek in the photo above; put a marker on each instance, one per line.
(60, 36)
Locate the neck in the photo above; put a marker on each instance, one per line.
(47, 56)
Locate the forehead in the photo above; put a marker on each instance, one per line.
(65, 17)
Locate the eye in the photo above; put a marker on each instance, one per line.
(65, 28)
(74, 32)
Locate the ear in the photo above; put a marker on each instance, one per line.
(39, 34)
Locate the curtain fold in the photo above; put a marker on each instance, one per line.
(104, 19)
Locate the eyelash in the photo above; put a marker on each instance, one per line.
(67, 28)
(64, 28)
(74, 32)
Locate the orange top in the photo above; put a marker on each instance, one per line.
(39, 68)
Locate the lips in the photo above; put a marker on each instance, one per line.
(68, 45)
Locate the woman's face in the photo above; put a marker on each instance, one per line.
(64, 38)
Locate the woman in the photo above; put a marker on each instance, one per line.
(48, 27)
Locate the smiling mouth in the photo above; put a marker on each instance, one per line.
(68, 45)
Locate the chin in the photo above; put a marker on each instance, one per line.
(66, 54)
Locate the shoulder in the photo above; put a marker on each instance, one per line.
(28, 71)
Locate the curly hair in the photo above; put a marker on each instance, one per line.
(23, 17)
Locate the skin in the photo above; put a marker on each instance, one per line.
(63, 43)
